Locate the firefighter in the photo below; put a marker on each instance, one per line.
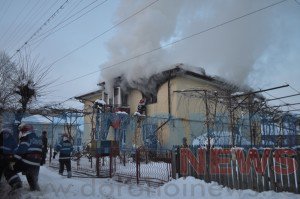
(7, 146)
(44, 148)
(142, 106)
(29, 155)
(184, 143)
(65, 149)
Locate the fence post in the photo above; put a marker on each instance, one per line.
(91, 162)
(207, 166)
(173, 163)
(124, 161)
(233, 168)
(110, 165)
(297, 170)
(97, 166)
(178, 161)
(137, 160)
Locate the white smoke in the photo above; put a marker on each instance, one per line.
(234, 51)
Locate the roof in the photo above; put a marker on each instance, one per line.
(88, 95)
(39, 119)
(152, 84)
(36, 119)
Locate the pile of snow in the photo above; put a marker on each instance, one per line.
(195, 188)
(218, 139)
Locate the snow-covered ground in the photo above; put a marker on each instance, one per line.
(56, 186)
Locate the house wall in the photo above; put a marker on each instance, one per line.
(183, 110)
(133, 100)
(188, 114)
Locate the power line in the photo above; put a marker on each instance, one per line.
(297, 91)
(33, 20)
(19, 27)
(5, 9)
(66, 19)
(158, 48)
(42, 39)
(96, 37)
(14, 21)
(41, 27)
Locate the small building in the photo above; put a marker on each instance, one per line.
(54, 126)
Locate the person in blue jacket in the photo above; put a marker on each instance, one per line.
(64, 148)
(7, 146)
(29, 155)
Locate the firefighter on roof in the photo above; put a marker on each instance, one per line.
(142, 106)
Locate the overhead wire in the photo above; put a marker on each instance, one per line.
(297, 91)
(41, 27)
(96, 37)
(66, 19)
(5, 9)
(18, 28)
(33, 20)
(42, 39)
(14, 21)
(155, 49)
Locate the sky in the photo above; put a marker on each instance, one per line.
(253, 43)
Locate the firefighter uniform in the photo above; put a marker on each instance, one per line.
(65, 149)
(7, 147)
(29, 154)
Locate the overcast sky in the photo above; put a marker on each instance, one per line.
(228, 38)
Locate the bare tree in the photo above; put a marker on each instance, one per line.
(8, 73)
(29, 83)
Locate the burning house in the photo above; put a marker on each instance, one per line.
(181, 102)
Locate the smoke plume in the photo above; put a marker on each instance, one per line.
(237, 51)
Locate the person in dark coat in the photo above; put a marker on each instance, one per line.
(44, 148)
(29, 155)
(7, 146)
(64, 148)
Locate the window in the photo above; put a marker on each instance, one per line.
(150, 98)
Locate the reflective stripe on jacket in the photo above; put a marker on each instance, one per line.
(65, 149)
(29, 149)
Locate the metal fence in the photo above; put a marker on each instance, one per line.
(140, 166)
(229, 172)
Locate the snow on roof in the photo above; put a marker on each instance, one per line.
(36, 119)
(39, 119)
(237, 93)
